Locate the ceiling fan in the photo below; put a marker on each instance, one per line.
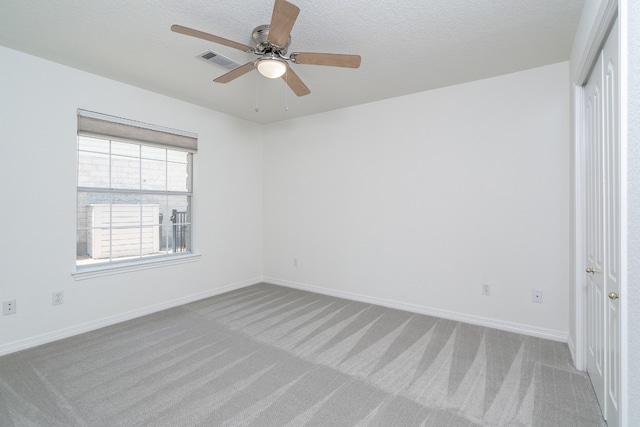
(271, 44)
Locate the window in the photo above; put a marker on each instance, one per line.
(134, 191)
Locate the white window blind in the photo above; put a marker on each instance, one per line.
(92, 123)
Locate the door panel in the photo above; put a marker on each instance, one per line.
(611, 141)
(594, 233)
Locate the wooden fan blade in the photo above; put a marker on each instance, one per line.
(282, 20)
(330, 59)
(295, 83)
(210, 37)
(235, 73)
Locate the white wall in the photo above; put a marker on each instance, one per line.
(418, 200)
(38, 179)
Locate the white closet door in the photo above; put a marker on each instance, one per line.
(612, 215)
(595, 233)
(603, 217)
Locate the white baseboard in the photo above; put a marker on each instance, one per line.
(461, 317)
(572, 351)
(12, 347)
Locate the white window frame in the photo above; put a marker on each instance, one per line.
(116, 129)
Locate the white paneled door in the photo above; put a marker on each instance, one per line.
(595, 230)
(602, 198)
(612, 217)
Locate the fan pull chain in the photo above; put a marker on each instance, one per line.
(286, 102)
(257, 93)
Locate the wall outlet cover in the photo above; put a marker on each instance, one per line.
(486, 289)
(9, 307)
(536, 295)
(58, 298)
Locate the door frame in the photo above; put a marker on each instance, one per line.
(608, 11)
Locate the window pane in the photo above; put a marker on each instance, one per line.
(81, 235)
(125, 172)
(125, 214)
(97, 145)
(125, 149)
(98, 246)
(179, 177)
(126, 242)
(181, 223)
(134, 227)
(154, 175)
(180, 204)
(92, 237)
(173, 213)
(178, 156)
(93, 170)
(181, 238)
(153, 153)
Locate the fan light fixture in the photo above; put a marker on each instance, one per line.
(271, 67)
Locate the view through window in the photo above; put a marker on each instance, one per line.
(134, 200)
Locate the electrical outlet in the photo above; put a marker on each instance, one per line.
(486, 289)
(58, 298)
(9, 307)
(536, 295)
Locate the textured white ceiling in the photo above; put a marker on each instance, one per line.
(406, 46)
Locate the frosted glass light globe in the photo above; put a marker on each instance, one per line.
(271, 67)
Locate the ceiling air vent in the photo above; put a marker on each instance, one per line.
(219, 60)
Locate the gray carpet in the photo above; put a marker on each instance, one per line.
(272, 356)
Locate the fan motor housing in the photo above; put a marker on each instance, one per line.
(260, 36)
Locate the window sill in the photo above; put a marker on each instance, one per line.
(83, 273)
